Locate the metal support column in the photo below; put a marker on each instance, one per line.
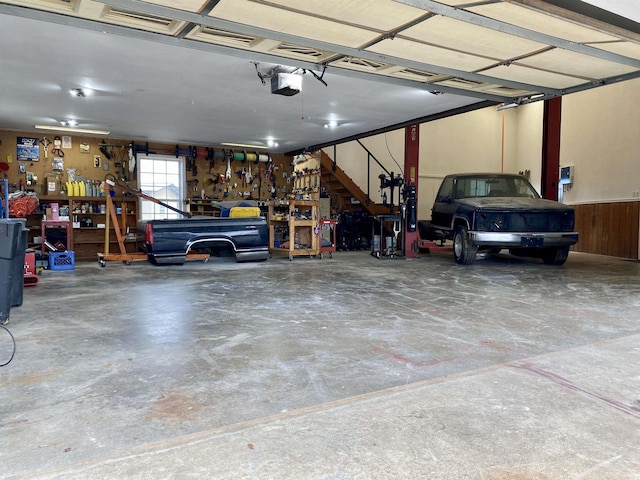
(551, 123)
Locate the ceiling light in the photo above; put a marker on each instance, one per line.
(72, 129)
(516, 103)
(242, 145)
(331, 124)
(68, 123)
(81, 92)
(272, 143)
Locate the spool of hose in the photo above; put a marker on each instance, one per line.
(219, 155)
(238, 156)
(252, 157)
(263, 157)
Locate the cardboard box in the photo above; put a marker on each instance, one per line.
(51, 186)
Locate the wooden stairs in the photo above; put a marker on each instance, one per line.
(341, 189)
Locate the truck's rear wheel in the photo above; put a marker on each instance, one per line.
(464, 252)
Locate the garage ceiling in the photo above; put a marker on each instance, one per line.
(199, 72)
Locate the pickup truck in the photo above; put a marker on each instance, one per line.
(493, 211)
(169, 241)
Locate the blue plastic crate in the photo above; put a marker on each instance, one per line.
(61, 261)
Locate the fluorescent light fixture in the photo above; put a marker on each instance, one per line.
(505, 106)
(72, 129)
(242, 145)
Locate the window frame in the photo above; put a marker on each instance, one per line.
(173, 170)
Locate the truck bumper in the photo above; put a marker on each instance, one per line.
(524, 239)
(254, 255)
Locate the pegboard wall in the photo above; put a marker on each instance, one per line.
(27, 158)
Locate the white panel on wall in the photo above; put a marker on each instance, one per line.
(525, 147)
(463, 143)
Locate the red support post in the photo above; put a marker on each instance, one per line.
(411, 160)
(551, 123)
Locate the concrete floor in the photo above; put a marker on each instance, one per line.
(343, 368)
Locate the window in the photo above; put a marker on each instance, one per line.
(161, 177)
(444, 194)
(493, 186)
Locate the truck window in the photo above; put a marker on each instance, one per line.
(445, 190)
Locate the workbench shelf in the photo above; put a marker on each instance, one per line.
(293, 228)
(88, 241)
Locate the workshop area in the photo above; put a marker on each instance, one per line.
(288, 370)
(319, 240)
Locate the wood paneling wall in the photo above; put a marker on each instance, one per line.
(608, 228)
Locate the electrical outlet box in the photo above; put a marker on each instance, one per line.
(96, 161)
(566, 174)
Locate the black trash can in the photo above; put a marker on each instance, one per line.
(10, 233)
(17, 284)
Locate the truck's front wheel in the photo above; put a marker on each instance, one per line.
(464, 252)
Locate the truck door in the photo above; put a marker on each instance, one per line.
(443, 207)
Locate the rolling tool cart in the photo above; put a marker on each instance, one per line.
(327, 227)
(299, 220)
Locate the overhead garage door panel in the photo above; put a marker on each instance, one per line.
(539, 22)
(294, 22)
(471, 38)
(521, 73)
(429, 54)
(571, 63)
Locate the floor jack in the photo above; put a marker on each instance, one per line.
(112, 216)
